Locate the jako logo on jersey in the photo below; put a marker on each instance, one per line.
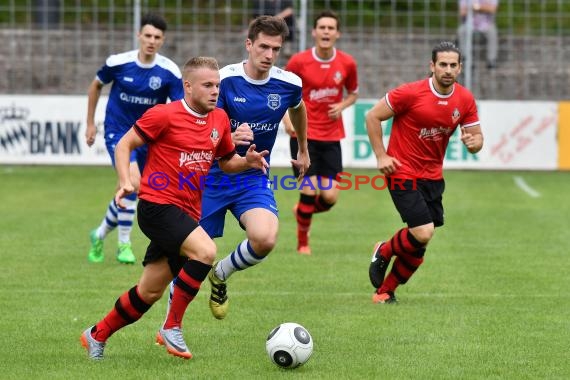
(274, 101)
(215, 137)
(455, 115)
(154, 83)
(239, 100)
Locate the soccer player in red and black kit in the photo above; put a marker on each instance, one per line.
(425, 114)
(326, 72)
(183, 137)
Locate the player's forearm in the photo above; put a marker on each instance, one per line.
(349, 100)
(235, 164)
(93, 95)
(299, 120)
(122, 162)
(375, 133)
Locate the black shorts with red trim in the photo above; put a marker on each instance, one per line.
(167, 226)
(418, 201)
(326, 157)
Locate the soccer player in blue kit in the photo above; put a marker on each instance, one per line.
(141, 79)
(256, 95)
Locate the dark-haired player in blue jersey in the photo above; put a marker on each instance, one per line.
(141, 79)
(256, 95)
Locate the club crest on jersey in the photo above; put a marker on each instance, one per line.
(274, 101)
(337, 77)
(215, 137)
(455, 115)
(154, 83)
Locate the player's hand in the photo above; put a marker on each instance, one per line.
(302, 164)
(257, 159)
(388, 165)
(90, 134)
(123, 192)
(468, 139)
(243, 135)
(335, 111)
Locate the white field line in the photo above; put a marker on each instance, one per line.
(520, 182)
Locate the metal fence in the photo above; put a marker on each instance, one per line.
(56, 46)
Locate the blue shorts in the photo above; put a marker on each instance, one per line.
(216, 201)
(138, 155)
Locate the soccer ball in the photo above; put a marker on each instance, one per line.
(289, 345)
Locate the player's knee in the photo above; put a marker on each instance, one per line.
(150, 296)
(423, 234)
(208, 252)
(203, 250)
(328, 201)
(262, 246)
(328, 198)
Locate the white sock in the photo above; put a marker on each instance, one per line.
(125, 217)
(109, 222)
(241, 258)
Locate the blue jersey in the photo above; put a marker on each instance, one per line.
(136, 88)
(260, 103)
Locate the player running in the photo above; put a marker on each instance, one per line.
(141, 79)
(425, 115)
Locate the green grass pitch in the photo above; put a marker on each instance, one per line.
(490, 302)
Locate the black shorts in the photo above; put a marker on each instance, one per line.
(167, 226)
(419, 202)
(326, 157)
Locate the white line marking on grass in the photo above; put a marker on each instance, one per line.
(520, 182)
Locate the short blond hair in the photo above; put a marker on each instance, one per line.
(200, 62)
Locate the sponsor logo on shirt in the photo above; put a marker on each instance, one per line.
(189, 159)
(128, 79)
(321, 93)
(254, 126)
(138, 99)
(434, 133)
(239, 100)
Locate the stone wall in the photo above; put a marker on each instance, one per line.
(64, 61)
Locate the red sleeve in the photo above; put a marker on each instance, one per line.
(226, 145)
(152, 123)
(472, 118)
(351, 84)
(399, 98)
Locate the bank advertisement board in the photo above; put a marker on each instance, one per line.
(518, 135)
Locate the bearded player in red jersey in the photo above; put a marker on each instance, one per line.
(326, 72)
(425, 114)
(183, 137)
